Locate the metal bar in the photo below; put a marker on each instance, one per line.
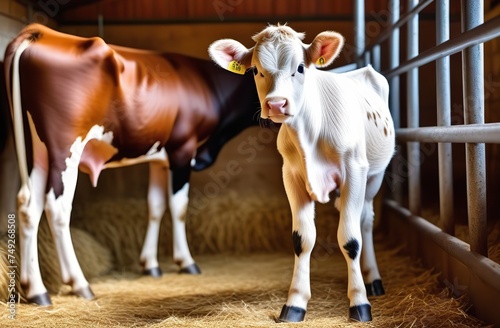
(470, 133)
(473, 85)
(100, 26)
(345, 68)
(482, 267)
(412, 112)
(443, 95)
(394, 105)
(480, 34)
(359, 29)
(376, 58)
(366, 60)
(396, 24)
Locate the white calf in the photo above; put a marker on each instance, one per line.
(337, 132)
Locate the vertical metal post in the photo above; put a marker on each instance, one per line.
(397, 173)
(359, 28)
(366, 60)
(446, 205)
(412, 110)
(100, 25)
(376, 58)
(473, 85)
(30, 13)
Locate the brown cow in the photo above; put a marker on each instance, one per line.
(92, 106)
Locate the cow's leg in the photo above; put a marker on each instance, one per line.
(352, 195)
(371, 275)
(157, 204)
(179, 198)
(30, 208)
(303, 237)
(58, 209)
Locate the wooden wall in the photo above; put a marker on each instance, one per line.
(218, 10)
(12, 18)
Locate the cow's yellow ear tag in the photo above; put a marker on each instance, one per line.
(236, 67)
(320, 61)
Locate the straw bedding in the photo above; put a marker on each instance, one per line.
(244, 250)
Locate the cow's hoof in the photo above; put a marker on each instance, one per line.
(153, 272)
(85, 293)
(361, 312)
(191, 269)
(42, 299)
(292, 314)
(375, 288)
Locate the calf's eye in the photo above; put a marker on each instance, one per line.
(300, 69)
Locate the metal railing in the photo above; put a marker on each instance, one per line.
(474, 133)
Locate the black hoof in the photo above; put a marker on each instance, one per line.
(153, 272)
(191, 269)
(361, 313)
(375, 288)
(42, 299)
(292, 314)
(85, 293)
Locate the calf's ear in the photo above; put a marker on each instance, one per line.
(325, 47)
(231, 55)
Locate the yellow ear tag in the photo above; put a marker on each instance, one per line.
(320, 61)
(236, 67)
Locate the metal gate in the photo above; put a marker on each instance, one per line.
(464, 267)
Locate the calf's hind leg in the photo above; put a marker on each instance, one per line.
(371, 275)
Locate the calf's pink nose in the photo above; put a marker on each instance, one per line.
(277, 105)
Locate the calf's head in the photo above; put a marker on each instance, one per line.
(280, 62)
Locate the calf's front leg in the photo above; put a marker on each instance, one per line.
(303, 237)
(352, 196)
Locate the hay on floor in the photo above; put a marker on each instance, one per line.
(238, 287)
(95, 259)
(249, 291)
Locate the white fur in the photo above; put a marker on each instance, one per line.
(157, 205)
(337, 132)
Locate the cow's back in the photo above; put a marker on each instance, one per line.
(70, 84)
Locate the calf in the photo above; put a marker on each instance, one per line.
(336, 132)
(92, 106)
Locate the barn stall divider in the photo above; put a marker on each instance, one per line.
(464, 267)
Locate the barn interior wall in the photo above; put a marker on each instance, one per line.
(12, 18)
(194, 38)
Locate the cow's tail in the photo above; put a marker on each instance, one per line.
(13, 86)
